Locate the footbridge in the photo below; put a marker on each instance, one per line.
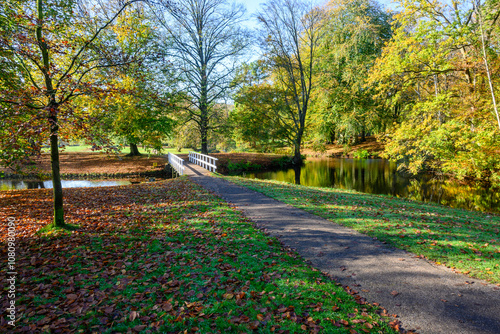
(196, 164)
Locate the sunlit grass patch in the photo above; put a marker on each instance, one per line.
(170, 257)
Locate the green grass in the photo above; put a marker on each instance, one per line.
(467, 241)
(174, 150)
(54, 229)
(171, 257)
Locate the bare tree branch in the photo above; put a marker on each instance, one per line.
(207, 37)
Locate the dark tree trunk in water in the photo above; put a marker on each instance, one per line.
(297, 157)
(56, 175)
(134, 151)
(297, 169)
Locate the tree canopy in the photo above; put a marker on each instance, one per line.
(434, 70)
(207, 38)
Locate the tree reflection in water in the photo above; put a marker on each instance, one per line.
(379, 176)
(296, 171)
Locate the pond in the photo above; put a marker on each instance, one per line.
(379, 176)
(6, 184)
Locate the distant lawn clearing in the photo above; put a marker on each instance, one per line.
(467, 241)
(95, 164)
(124, 149)
(166, 257)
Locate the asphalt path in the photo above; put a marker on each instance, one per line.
(427, 298)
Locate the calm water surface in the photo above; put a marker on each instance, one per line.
(6, 184)
(379, 176)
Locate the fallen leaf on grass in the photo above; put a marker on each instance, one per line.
(139, 328)
(167, 307)
(133, 315)
(254, 325)
(228, 296)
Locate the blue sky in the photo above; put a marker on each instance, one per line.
(253, 5)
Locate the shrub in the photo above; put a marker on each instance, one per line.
(237, 166)
(361, 154)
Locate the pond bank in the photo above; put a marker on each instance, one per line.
(428, 297)
(92, 164)
(85, 165)
(379, 176)
(187, 261)
(240, 162)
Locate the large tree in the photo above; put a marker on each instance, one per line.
(290, 35)
(48, 53)
(343, 105)
(141, 110)
(261, 118)
(207, 39)
(442, 68)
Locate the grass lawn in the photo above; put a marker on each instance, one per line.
(165, 257)
(467, 241)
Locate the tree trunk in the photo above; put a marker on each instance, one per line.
(297, 158)
(332, 137)
(53, 109)
(204, 141)
(204, 130)
(204, 111)
(56, 175)
(134, 151)
(486, 65)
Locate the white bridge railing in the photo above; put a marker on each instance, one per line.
(203, 160)
(176, 162)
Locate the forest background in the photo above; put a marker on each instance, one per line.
(422, 77)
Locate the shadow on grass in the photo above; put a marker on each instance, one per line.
(461, 239)
(164, 257)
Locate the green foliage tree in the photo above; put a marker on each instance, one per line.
(49, 51)
(354, 33)
(260, 119)
(434, 68)
(291, 31)
(145, 93)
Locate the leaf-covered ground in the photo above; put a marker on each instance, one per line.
(165, 257)
(94, 163)
(466, 241)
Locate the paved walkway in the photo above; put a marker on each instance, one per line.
(427, 298)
